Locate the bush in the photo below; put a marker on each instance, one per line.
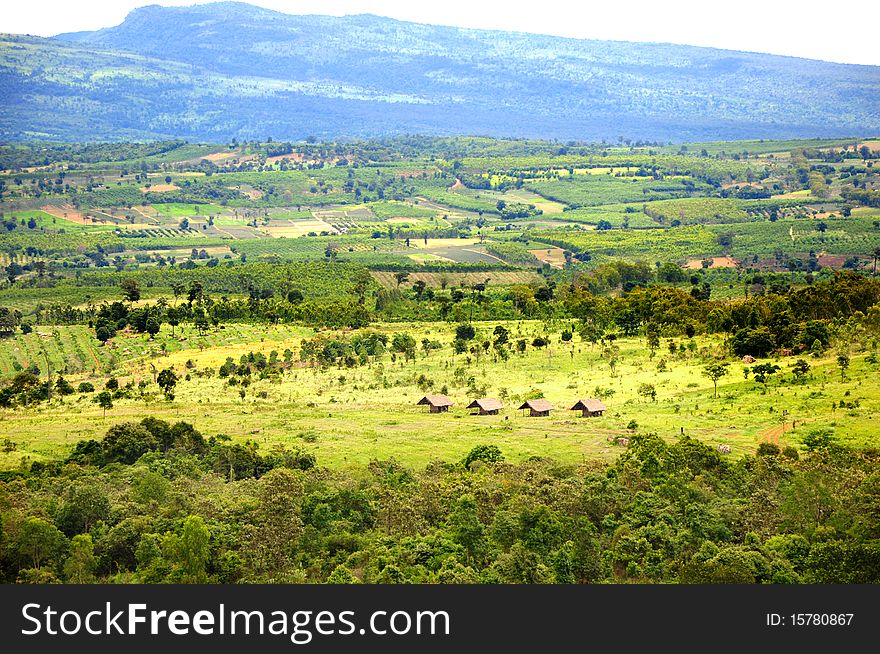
(817, 439)
(485, 453)
(86, 387)
(768, 449)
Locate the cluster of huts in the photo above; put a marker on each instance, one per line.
(490, 406)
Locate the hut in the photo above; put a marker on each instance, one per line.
(488, 406)
(590, 408)
(436, 403)
(537, 408)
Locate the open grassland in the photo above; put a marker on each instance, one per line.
(349, 416)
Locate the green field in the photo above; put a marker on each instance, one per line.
(235, 364)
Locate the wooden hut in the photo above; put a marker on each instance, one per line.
(590, 408)
(436, 403)
(488, 406)
(537, 408)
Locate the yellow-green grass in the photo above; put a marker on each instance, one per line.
(370, 412)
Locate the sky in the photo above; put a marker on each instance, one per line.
(845, 33)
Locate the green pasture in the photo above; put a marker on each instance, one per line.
(350, 416)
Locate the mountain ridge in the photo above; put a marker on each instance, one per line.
(230, 70)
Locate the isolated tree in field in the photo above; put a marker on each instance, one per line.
(401, 277)
(419, 289)
(167, 380)
(652, 333)
(843, 364)
(405, 344)
(502, 335)
(104, 400)
(876, 254)
(799, 369)
(465, 332)
(715, 371)
(763, 371)
(131, 290)
(648, 391)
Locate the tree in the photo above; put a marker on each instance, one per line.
(843, 364)
(39, 542)
(104, 400)
(485, 453)
(465, 332)
(400, 277)
(800, 368)
(173, 316)
(763, 371)
(648, 391)
(131, 290)
(405, 344)
(86, 505)
(715, 371)
(127, 442)
(79, 568)
(167, 380)
(152, 326)
(756, 342)
(467, 530)
(652, 333)
(502, 335)
(194, 550)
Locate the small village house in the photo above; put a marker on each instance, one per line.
(537, 408)
(488, 406)
(590, 408)
(436, 403)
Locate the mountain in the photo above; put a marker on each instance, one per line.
(217, 71)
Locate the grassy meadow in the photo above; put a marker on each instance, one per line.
(348, 416)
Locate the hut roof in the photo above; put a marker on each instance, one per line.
(486, 404)
(536, 405)
(590, 405)
(435, 400)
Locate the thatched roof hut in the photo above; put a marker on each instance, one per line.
(436, 403)
(537, 408)
(590, 407)
(488, 406)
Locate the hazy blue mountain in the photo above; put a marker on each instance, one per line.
(224, 70)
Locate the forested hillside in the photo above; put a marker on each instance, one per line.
(229, 70)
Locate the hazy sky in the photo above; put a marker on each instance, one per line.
(844, 33)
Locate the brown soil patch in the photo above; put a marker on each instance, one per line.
(66, 212)
(159, 188)
(554, 256)
(220, 156)
(873, 146)
(717, 262)
(293, 156)
(832, 260)
(456, 186)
